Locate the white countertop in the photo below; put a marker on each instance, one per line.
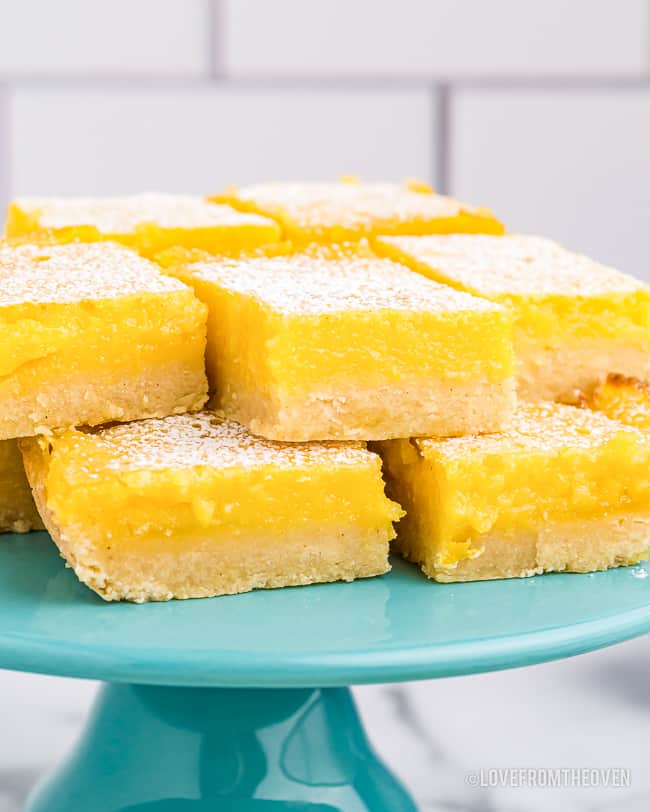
(588, 711)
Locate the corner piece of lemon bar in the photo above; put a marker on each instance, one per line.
(94, 333)
(338, 212)
(148, 223)
(339, 344)
(575, 320)
(561, 490)
(193, 506)
(18, 512)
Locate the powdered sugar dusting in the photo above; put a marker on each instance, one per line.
(123, 215)
(547, 427)
(513, 264)
(204, 439)
(355, 206)
(75, 273)
(313, 283)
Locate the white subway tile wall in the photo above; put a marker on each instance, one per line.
(116, 38)
(573, 165)
(198, 140)
(539, 109)
(442, 38)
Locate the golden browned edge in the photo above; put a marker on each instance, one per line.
(590, 398)
(210, 567)
(162, 390)
(618, 381)
(624, 381)
(570, 372)
(418, 408)
(579, 545)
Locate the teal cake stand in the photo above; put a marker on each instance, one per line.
(240, 704)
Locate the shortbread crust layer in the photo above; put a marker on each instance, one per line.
(410, 408)
(557, 373)
(583, 545)
(160, 390)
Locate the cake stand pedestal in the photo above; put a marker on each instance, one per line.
(154, 749)
(240, 704)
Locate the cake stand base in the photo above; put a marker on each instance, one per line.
(157, 749)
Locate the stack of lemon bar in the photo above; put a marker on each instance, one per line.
(203, 396)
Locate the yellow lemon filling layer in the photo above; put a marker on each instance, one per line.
(350, 210)
(292, 351)
(554, 463)
(335, 316)
(192, 505)
(129, 334)
(98, 477)
(555, 295)
(149, 223)
(331, 343)
(86, 326)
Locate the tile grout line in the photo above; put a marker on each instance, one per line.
(342, 83)
(215, 33)
(442, 97)
(564, 83)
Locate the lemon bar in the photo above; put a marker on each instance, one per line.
(561, 490)
(341, 345)
(192, 506)
(576, 320)
(18, 512)
(148, 223)
(341, 212)
(93, 333)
